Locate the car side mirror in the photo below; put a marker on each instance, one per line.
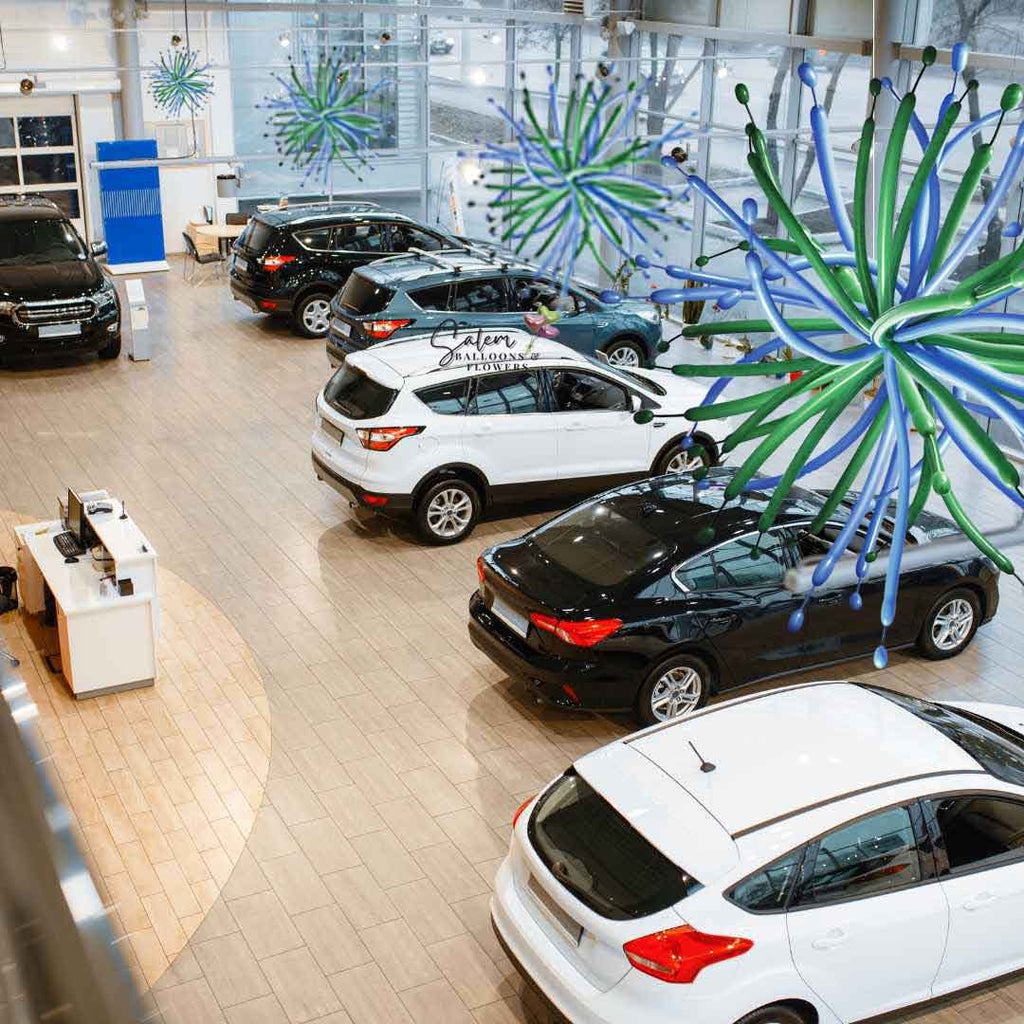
(97, 248)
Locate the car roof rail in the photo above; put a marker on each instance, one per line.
(422, 254)
(325, 205)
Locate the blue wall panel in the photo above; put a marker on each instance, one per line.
(130, 200)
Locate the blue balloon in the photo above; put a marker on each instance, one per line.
(750, 210)
(641, 261)
(1012, 230)
(887, 82)
(959, 57)
(669, 296)
(856, 601)
(612, 298)
(674, 270)
(881, 658)
(796, 621)
(807, 75)
(729, 299)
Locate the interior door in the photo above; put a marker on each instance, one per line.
(597, 438)
(744, 606)
(510, 434)
(865, 934)
(983, 845)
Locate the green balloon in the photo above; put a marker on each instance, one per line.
(705, 534)
(928, 56)
(663, 346)
(701, 261)
(870, 556)
(1011, 97)
(643, 416)
(742, 93)
(875, 87)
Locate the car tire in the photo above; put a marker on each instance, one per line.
(950, 624)
(447, 511)
(679, 459)
(684, 682)
(627, 352)
(312, 315)
(112, 350)
(778, 1014)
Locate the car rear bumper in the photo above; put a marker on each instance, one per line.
(606, 682)
(356, 495)
(255, 297)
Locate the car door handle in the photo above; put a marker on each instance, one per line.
(983, 899)
(831, 939)
(830, 598)
(575, 425)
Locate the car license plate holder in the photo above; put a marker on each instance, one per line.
(241, 263)
(333, 432)
(516, 622)
(60, 330)
(342, 328)
(569, 927)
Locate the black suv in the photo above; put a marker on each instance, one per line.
(53, 295)
(292, 261)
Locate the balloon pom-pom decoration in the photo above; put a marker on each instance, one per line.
(542, 322)
(179, 82)
(569, 191)
(319, 118)
(912, 341)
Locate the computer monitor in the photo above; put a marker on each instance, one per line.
(76, 516)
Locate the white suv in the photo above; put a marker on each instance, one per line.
(443, 425)
(824, 853)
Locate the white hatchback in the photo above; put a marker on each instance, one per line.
(444, 425)
(823, 853)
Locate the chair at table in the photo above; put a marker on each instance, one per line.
(195, 260)
(236, 218)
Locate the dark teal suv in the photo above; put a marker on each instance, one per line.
(417, 292)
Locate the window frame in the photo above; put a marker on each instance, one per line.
(543, 398)
(923, 836)
(502, 279)
(393, 225)
(721, 544)
(377, 254)
(470, 387)
(611, 382)
(938, 839)
(329, 228)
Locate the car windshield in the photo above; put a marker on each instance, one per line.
(599, 857)
(357, 396)
(39, 241)
(997, 748)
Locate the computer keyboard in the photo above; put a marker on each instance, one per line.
(67, 544)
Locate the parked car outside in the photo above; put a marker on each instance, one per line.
(53, 295)
(654, 596)
(816, 855)
(480, 289)
(291, 262)
(442, 427)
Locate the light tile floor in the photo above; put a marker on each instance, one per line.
(399, 753)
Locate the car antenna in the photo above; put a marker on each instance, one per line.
(705, 766)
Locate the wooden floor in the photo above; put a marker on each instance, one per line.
(398, 753)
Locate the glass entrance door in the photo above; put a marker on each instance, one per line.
(39, 152)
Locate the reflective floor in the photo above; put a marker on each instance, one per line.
(398, 753)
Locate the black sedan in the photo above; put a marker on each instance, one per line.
(653, 596)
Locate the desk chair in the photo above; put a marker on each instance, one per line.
(194, 261)
(236, 218)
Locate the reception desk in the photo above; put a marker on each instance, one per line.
(108, 619)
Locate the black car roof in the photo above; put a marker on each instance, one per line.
(28, 208)
(294, 216)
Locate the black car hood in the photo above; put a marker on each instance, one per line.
(63, 280)
(526, 568)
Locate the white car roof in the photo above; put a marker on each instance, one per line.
(423, 355)
(786, 751)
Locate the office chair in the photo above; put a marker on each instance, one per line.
(193, 260)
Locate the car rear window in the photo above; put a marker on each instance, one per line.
(448, 399)
(357, 396)
(258, 235)
(361, 295)
(997, 748)
(599, 857)
(604, 542)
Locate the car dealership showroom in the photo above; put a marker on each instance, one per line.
(539, 503)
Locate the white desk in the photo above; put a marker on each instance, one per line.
(107, 641)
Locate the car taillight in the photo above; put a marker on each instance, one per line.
(275, 262)
(522, 807)
(580, 634)
(382, 329)
(382, 439)
(678, 955)
(480, 569)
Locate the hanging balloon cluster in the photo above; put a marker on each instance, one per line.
(320, 117)
(940, 354)
(570, 191)
(179, 81)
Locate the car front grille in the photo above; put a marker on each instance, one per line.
(56, 311)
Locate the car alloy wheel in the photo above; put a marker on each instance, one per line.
(683, 462)
(450, 512)
(952, 624)
(623, 355)
(676, 692)
(316, 316)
